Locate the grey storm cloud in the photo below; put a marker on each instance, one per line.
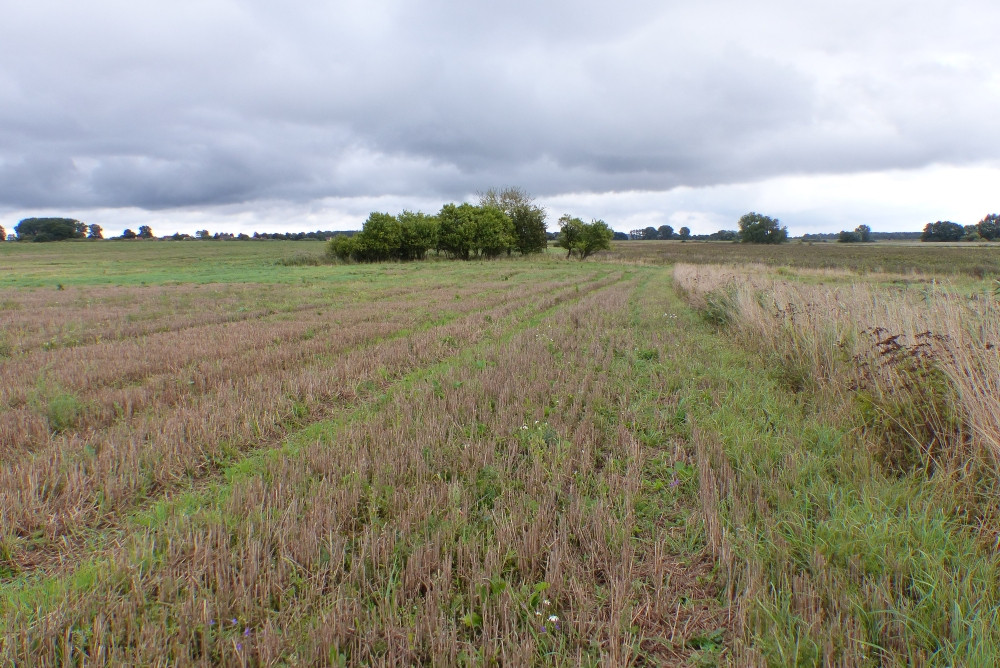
(124, 104)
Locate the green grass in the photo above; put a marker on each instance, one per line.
(155, 263)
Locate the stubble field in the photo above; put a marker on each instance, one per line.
(213, 459)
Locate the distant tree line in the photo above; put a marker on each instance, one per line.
(875, 236)
(205, 235)
(753, 228)
(661, 233)
(666, 233)
(468, 231)
(988, 229)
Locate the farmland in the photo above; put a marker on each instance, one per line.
(220, 454)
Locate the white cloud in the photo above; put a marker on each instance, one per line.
(238, 109)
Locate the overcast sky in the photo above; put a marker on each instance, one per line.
(251, 115)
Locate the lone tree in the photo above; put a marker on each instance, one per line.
(128, 233)
(3, 234)
(583, 238)
(665, 232)
(145, 232)
(95, 232)
(50, 229)
(570, 233)
(756, 228)
(942, 230)
(684, 233)
(528, 217)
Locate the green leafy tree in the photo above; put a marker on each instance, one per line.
(418, 234)
(864, 233)
(665, 233)
(942, 230)
(380, 239)
(596, 237)
(492, 232)
(94, 231)
(50, 229)
(582, 238)
(145, 232)
(756, 228)
(342, 247)
(128, 234)
(684, 233)
(725, 235)
(456, 229)
(204, 235)
(989, 227)
(650, 233)
(528, 218)
(570, 233)
(3, 234)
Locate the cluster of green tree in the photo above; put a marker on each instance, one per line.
(145, 232)
(987, 229)
(407, 236)
(50, 229)
(505, 221)
(663, 233)
(582, 238)
(861, 234)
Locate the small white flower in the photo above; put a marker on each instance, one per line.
(553, 618)
(538, 613)
(546, 602)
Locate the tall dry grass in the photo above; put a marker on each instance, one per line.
(924, 364)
